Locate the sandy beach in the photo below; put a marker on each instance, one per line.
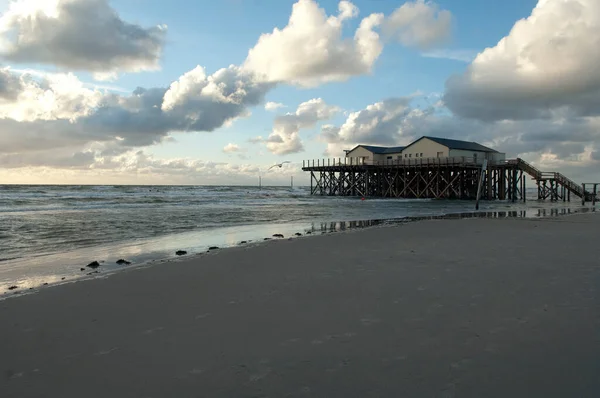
(441, 308)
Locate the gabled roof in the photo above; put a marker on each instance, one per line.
(457, 144)
(380, 150)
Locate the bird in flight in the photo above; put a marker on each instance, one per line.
(279, 164)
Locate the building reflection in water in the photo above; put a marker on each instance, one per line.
(533, 213)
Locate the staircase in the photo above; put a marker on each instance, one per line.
(554, 178)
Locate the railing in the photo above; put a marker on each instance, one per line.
(541, 175)
(527, 167)
(448, 161)
(570, 184)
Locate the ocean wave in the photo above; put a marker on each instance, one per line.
(64, 218)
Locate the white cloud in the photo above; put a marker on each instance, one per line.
(56, 111)
(419, 24)
(455, 55)
(256, 140)
(272, 106)
(311, 49)
(285, 139)
(207, 102)
(546, 67)
(395, 122)
(57, 96)
(134, 167)
(230, 148)
(389, 122)
(78, 34)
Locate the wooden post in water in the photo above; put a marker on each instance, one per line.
(292, 183)
(594, 195)
(583, 195)
(483, 168)
(259, 183)
(514, 188)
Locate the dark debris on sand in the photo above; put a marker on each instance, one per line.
(213, 248)
(93, 264)
(298, 234)
(277, 235)
(181, 252)
(123, 262)
(13, 287)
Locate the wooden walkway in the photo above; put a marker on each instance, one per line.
(438, 178)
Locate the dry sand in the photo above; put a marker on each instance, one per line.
(450, 308)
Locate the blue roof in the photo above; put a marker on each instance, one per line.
(451, 144)
(382, 150)
(457, 144)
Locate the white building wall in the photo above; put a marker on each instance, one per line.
(391, 157)
(360, 153)
(428, 148)
(491, 156)
(424, 149)
(498, 156)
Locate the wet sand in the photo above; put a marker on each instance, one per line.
(443, 308)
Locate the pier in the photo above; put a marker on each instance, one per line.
(440, 178)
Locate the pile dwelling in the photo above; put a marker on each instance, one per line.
(439, 168)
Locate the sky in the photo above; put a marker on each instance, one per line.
(199, 92)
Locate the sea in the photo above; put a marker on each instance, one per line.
(50, 233)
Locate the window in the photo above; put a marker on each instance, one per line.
(406, 155)
(389, 158)
(421, 155)
(410, 155)
(440, 154)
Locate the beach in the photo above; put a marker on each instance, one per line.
(440, 308)
(49, 232)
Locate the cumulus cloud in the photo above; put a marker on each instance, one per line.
(285, 139)
(207, 102)
(311, 49)
(58, 111)
(230, 148)
(397, 121)
(272, 106)
(390, 122)
(546, 67)
(419, 24)
(78, 34)
(11, 85)
(56, 96)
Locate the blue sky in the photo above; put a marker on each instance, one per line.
(390, 98)
(217, 34)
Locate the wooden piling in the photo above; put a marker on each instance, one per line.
(448, 178)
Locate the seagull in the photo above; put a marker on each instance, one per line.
(279, 164)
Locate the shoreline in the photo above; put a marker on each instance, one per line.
(105, 270)
(460, 307)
